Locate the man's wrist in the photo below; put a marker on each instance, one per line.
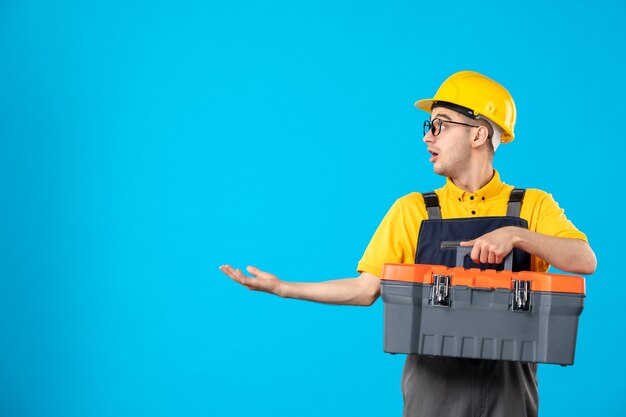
(519, 236)
(282, 289)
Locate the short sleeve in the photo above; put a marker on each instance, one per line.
(551, 221)
(394, 240)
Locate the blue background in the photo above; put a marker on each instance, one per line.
(145, 143)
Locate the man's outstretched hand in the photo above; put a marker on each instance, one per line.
(261, 281)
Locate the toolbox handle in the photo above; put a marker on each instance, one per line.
(463, 251)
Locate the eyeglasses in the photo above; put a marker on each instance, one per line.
(436, 124)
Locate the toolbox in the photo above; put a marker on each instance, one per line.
(482, 314)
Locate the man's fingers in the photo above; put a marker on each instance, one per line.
(228, 270)
(236, 275)
(254, 271)
(232, 273)
(475, 254)
(483, 253)
(243, 279)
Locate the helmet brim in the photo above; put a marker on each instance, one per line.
(425, 104)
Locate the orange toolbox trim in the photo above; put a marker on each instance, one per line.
(491, 279)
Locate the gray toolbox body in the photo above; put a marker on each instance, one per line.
(461, 321)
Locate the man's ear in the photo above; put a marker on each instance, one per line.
(481, 136)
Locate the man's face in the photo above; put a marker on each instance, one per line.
(451, 149)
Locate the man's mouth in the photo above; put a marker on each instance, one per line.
(434, 156)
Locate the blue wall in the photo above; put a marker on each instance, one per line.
(145, 143)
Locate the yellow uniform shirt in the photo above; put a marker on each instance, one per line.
(395, 240)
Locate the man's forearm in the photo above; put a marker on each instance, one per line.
(566, 254)
(361, 291)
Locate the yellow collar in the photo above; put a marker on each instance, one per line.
(492, 188)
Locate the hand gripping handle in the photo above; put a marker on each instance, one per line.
(463, 251)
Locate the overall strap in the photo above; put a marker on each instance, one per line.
(515, 202)
(432, 205)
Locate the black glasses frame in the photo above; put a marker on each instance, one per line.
(430, 125)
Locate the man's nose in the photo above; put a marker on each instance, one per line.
(428, 137)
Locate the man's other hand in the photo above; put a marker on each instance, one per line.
(260, 281)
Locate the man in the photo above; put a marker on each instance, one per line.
(470, 116)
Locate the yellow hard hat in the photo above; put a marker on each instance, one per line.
(480, 96)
